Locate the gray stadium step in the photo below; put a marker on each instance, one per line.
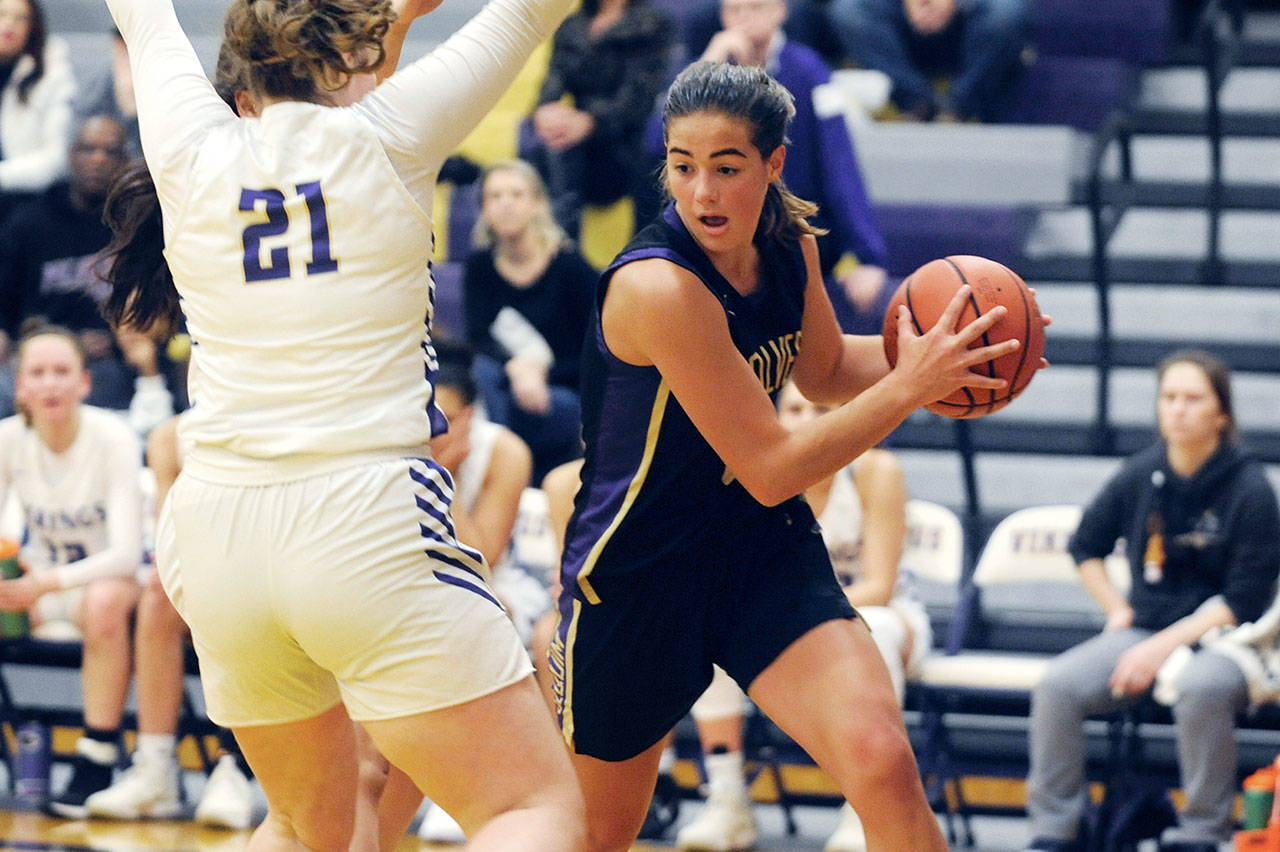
(1249, 236)
(1010, 481)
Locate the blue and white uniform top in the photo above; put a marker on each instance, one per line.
(653, 489)
(81, 508)
(299, 243)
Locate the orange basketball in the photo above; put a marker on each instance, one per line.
(926, 293)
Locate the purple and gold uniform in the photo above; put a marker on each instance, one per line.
(670, 565)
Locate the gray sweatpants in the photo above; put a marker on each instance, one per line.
(1211, 690)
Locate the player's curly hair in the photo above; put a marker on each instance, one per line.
(301, 49)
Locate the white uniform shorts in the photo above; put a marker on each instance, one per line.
(343, 586)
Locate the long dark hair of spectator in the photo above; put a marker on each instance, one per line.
(748, 93)
(1219, 376)
(142, 290)
(34, 48)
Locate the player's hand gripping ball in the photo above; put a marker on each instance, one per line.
(926, 293)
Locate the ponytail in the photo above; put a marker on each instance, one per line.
(142, 291)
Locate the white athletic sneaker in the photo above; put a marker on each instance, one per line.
(228, 797)
(438, 827)
(848, 836)
(724, 824)
(146, 790)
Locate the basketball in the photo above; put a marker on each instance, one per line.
(926, 293)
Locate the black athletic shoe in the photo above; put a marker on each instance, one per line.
(87, 777)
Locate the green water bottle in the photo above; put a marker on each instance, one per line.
(13, 625)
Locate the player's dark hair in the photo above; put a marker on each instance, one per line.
(301, 49)
(37, 37)
(748, 93)
(1219, 376)
(455, 358)
(142, 291)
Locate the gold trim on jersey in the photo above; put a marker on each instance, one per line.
(637, 481)
(560, 661)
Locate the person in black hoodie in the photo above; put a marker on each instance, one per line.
(1202, 538)
(49, 245)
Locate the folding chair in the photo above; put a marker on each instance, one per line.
(1023, 605)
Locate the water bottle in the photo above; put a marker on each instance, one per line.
(13, 625)
(31, 763)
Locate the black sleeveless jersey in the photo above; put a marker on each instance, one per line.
(653, 490)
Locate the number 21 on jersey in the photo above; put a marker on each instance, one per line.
(272, 202)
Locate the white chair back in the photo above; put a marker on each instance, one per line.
(934, 549)
(1030, 546)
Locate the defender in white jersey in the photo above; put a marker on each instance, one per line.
(308, 542)
(74, 470)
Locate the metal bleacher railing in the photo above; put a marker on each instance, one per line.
(1218, 37)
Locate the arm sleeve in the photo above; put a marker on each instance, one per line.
(176, 101)
(1102, 522)
(480, 308)
(1254, 558)
(628, 107)
(553, 85)
(151, 405)
(123, 553)
(845, 194)
(424, 111)
(52, 98)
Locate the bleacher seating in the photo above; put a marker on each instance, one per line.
(1017, 194)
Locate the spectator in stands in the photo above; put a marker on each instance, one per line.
(807, 23)
(158, 382)
(1202, 537)
(111, 93)
(977, 44)
(36, 90)
(527, 297)
(49, 250)
(75, 469)
(821, 164)
(862, 512)
(49, 246)
(150, 787)
(612, 57)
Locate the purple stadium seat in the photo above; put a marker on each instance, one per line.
(1137, 31)
(917, 234)
(449, 319)
(464, 209)
(1078, 91)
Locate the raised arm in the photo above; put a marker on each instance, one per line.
(406, 12)
(425, 109)
(176, 101)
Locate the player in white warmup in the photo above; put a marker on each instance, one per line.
(74, 471)
(308, 541)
